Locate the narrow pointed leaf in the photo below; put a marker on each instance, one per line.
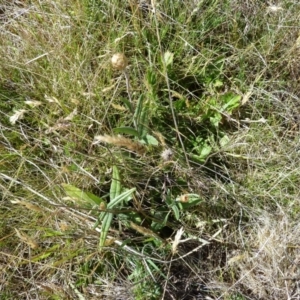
(126, 130)
(139, 109)
(105, 228)
(115, 187)
(124, 196)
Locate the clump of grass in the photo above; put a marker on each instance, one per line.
(193, 184)
(268, 268)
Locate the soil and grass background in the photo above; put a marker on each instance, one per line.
(149, 149)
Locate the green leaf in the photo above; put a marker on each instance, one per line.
(95, 198)
(129, 198)
(151, 140)
(131, 216)
(139, 109)
(169, 199)
(193, 199)
(180, 104)
(143, 123)
(127, 104)
(126, 130)
(215, 119)
(224, 140)
(124, 196)
(151, 78)
(205, 151)
(232, 101)
(45, 254)
(116, 197)
(107, 217)
(218, 83)
(176, 211)
(172, 204)
(185, 206)
(105, 228)
(77, 194)
(115, 187)
(196, 158)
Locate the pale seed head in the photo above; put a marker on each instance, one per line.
(119, 61)
(166, 154)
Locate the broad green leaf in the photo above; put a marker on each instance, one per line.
(169, 199)
(206, 150)
(176, 211)
(218, 83)
(131, 216)
(215, 119)
(151, 140)
(160, 219)
(77, 194)
(203, 151)
(232, 101)
(224, 140)
(97, 200)
(164, 223)
(196, 158)
(126, 130)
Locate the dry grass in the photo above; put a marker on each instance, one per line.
(269, 268)
(218, 121)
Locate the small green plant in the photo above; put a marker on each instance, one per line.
(117, 200)
(219, 107)
(181, 203)
(141, 121)
(118, 197)
(199, 103)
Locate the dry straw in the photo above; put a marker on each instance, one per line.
(121, 141)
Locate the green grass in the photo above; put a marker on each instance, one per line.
(100, 167)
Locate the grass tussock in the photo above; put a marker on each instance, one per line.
(149, 150)
(269, 267)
